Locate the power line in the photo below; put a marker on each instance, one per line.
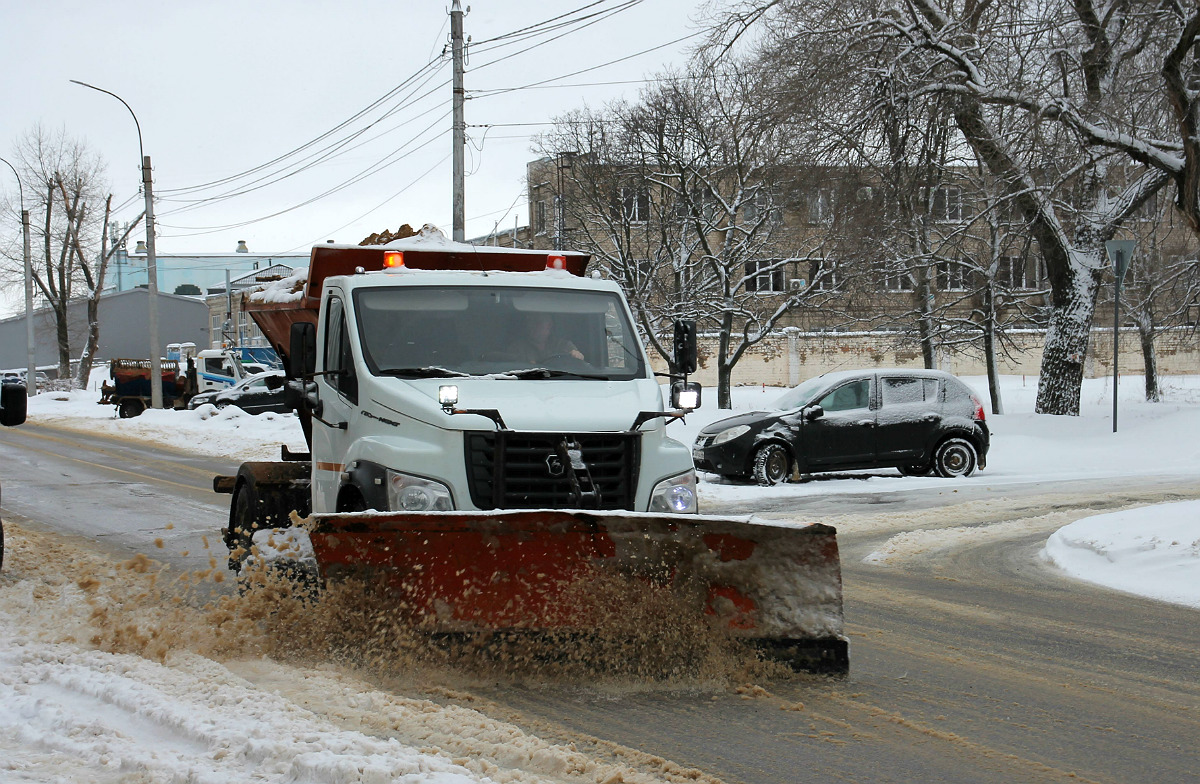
(329, 152)
(373, 169)
(357, 115)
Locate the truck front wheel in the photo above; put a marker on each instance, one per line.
(130, 407)
(242, 526)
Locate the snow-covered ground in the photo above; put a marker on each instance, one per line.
(87, 694)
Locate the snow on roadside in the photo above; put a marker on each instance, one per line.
(77, 702)
(1152, 551)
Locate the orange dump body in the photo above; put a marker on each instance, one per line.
(779, 587)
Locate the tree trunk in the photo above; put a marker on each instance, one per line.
(989, 348)
(64, 339)
(925, 326)
(1149, 360)
(724, 369)
(1067, 343)
(90, 343)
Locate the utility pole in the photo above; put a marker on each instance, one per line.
(31, 365)
(156, 400)
(460, 130)
(156, 397)
(30, 360)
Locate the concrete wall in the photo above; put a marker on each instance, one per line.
(793, 356)
(124, 330)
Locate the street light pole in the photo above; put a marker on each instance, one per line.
(156, 397)
(31, 364)
(1121, 253)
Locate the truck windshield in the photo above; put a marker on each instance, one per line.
(430, 331)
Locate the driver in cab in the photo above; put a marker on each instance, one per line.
(538, 341)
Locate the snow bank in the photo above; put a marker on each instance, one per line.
(1153, 551)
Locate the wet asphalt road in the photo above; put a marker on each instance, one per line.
(975, 662)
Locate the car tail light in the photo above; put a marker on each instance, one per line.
(979, 413)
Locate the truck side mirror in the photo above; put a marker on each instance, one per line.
(685, 346)
(302, 353)
(13, 402)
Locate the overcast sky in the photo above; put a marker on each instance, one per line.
(223, 87)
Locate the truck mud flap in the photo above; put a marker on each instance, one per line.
(776, 587)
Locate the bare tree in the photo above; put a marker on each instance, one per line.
(1045, 95)
(65, 179)
(680, 198)
(93, 273)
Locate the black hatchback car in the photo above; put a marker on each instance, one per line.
(255, 394)
(919, 421)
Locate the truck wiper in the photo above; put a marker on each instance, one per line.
(424, 372)
(548, 373)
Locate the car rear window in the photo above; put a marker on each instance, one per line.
(898, 390)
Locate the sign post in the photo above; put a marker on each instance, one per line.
(1121, 253)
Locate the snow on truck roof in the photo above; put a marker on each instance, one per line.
(429, 240)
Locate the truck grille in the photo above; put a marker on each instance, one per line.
(516, 470)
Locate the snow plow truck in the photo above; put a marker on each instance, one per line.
(485, 435)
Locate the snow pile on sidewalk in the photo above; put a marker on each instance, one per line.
(1153, 551)
(229, 432)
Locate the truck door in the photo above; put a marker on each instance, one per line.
(337, 385)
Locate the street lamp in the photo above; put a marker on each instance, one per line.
(1121, 253)
(31, 369)
(156, 400)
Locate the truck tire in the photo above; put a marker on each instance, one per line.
(771, 465)
(242, 525)
(130, 407)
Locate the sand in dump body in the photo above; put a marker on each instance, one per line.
(638, 631)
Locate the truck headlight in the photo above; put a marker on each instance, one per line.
(676, 495)
(407, 493)
(730, 433)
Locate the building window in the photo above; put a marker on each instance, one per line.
(895, 276)
(1014, 273)
(820, 205)
(760, 207)
(952, 276)
(635, 204)
(822, 274)
(948, 204)
(539, 216)
(764, 277)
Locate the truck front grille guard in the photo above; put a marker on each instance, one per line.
(509, 469)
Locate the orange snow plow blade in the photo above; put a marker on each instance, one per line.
(778, 588)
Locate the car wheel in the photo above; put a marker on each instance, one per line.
(771, 465)
(955, 457)
(917, 469)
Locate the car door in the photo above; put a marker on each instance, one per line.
(844, 434)
(254, 397)
(908, 417)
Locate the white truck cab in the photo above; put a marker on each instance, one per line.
(430, 395)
